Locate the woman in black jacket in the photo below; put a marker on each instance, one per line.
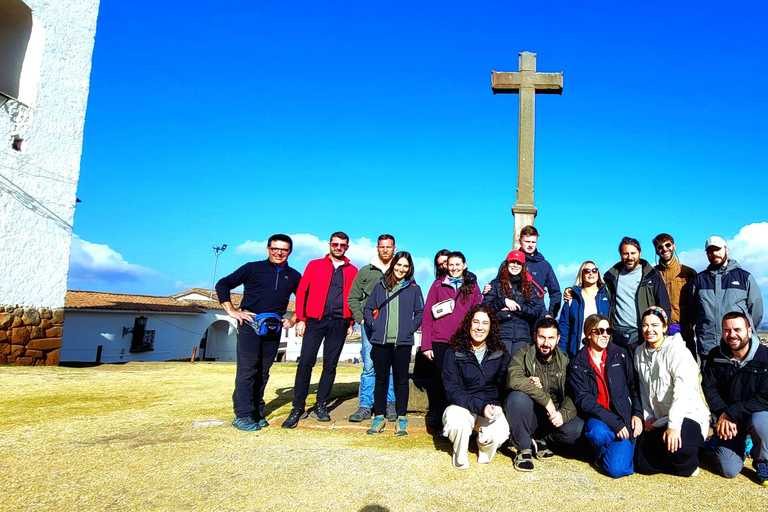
(474, 373)
(394, 310)
(513, 295)
(606, 397)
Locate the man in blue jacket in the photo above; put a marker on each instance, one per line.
(540, 269)
(267, 288)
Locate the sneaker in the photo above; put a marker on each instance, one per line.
(762, 472)
(391, 411)
(524, 460)
(377, 425)
(263, 423)
(695, 472)
(293, 419)
(401, 427)
(245, 423)
(362, 414)
(321, 412)
(540, 449)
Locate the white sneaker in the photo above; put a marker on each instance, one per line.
(696, 472)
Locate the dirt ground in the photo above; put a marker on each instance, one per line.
(156, 436)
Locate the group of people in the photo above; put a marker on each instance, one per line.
(618, 370)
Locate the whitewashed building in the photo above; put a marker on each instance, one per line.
(45, 66)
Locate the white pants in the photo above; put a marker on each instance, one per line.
(458, 424)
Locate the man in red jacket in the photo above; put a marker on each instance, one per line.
(323, 313)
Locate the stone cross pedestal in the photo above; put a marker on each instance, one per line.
(527, 83)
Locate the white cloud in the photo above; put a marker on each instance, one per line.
(566, 274)
(485, 275)
(99, 263)
(308, 247)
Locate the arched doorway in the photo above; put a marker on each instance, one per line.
(220, 342)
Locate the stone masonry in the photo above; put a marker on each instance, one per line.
(30, 336)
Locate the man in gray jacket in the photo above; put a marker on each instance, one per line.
(362, 286)
(721, 288)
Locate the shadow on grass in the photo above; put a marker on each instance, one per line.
(339, 394)
(374, 508)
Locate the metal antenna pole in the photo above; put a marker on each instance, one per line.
(216, 251)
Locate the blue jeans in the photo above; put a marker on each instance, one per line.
(615, 455)
(368, 377)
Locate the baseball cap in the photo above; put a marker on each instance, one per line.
(716, 241)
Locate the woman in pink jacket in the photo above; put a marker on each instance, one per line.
(448, 300)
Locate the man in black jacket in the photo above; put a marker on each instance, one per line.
(735, 383)
(632, 286)
(267, 288)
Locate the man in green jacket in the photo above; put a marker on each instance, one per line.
(537, 405)
(362, 286)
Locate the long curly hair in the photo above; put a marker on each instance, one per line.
(468, 284)
(506, 281)
(462, 338)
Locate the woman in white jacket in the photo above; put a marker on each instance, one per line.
(675, 418)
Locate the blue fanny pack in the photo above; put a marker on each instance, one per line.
(267, 324)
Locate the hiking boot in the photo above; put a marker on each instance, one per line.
(524, 460)
(362, 414)
(401, 427)
(391, 411)
(762, 472)
(293, 419)
(540, 450)
(321, 413)
(245, 423)
(377, 425)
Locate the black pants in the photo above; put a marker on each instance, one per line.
(527, 418)
(334, 331)
(652, 456)
(398, 358)
(255, 355)
(438, 402)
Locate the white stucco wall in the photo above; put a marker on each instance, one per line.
(38, 185)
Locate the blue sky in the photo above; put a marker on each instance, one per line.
(207, 127)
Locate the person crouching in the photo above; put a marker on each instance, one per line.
(474, 373)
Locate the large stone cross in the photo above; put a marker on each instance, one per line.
(527, 83)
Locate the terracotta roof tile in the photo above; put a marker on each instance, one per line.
(76, 299)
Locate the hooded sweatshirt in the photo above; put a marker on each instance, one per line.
(669, 385)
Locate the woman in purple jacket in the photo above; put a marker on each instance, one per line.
(448, 300)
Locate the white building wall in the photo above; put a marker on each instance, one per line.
(38, 184)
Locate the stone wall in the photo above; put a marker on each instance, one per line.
(30, 336)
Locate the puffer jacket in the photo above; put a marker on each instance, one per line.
(410, 308)
(650, 292)
(624, 398)
(668, 378)
(472, 385)
(717, 292)
(572, 319)
(738, 391)
(515, 325)
(552, 374)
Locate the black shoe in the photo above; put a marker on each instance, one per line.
(293, 419)
(321, 412)
(391, 411)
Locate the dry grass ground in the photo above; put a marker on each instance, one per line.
(124, 438)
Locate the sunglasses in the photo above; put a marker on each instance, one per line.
(665, 245)
(275, 250)
(337, 245)
(590, 271)
(601, 331)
